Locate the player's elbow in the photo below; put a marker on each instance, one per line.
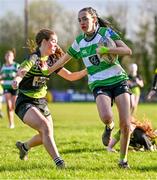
(129, 51)
(69, 77)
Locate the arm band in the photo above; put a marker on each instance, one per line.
(45, 72)
(103, 50)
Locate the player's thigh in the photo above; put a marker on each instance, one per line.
(104, 105)
(35, 119)
(8, 99)
(123, 105)
(132, 100)
(49, 118)
(137, 97)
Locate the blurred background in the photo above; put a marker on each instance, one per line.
(136, 21)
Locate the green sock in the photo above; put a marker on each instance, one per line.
(117, 135)
(123, 157)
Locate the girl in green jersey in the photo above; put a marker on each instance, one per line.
(107, 81)
(1, 100)
(7, 74)
(31, 104)
(153, 90)
(135, 83)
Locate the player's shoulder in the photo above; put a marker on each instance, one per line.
(33, 57)
(79, 38)
(102, 30)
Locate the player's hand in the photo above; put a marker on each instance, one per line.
(150, 94)
(15, 84)
(102, 50)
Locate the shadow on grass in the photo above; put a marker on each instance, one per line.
(146, 168)
(80, 150)
(90, 169)
(37, 167)
(24, 167)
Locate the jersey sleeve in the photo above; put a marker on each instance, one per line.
(28, 63)
(74, 50)
(113, 35)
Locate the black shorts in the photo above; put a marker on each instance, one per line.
(13, 92)
(113, 90)
(23, 103)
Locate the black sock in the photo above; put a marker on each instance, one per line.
(24, 147)
(58, 161)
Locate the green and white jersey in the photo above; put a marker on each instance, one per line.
(100, 73)
(8, 72)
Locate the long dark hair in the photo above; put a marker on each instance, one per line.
(100, 21)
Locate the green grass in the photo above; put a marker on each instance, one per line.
(78, 130)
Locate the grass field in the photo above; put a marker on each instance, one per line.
(78, 133)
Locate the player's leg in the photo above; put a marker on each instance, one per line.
(123, 104)
(24, 147)
(36, 120)
(10, 110)
(14, 97)
(37, 139)
(137, 98)
(132, 103)
(1, 99)
(113, 142)
(105, 112)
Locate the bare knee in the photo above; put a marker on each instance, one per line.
(9, 107)
(106, 117)
(46, 128)
(125, 128)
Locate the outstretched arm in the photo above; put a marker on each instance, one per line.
(154, 88)
(72, 76)
(150, 94)
(64, 59)
(19, 76)
(140, 82)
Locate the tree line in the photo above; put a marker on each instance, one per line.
(50, 14)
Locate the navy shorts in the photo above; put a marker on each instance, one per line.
(23, 103)
(113, 90)
(13, 92)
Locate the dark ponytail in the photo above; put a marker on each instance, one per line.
(100, 21)
(103, 23)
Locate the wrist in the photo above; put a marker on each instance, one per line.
(103, 50)
(45, 72)
(18, 79)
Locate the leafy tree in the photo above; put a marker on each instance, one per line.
(60, 21)
(155, 42)
(11, 27)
